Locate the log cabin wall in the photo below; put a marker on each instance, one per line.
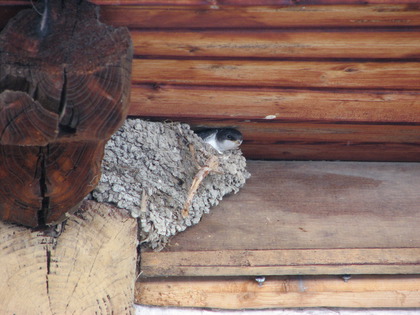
(302, 80)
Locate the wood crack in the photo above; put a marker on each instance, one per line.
(45, 204)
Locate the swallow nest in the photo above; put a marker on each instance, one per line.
(166, 176)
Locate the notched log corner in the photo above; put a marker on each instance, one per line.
(64, 90)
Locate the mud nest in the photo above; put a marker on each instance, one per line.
(166, 177)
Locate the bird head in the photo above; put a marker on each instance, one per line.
(229, 139)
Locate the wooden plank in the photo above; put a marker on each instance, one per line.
(277, 44)
(240, 293)
(204, 16)
(214, 4)
(305, 218)
(307, 141)
(330, 151)
(275, 104)
(334, 142)
(303, 74)
(281, 262)
(295, 124)
(157, 17)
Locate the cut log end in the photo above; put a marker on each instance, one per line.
(64, 90)
(84, 270)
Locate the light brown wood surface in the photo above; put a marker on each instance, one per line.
(216, 3)
(304, 218)
(280, 74)
(242, 293)
(224, 262)
(89, 268)
(271, 44)
(258, 16)
(280, 105)
(180, 14)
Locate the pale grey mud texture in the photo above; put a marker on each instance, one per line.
(149, 169)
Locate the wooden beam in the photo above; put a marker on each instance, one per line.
(215, 4)
(167, 17)
(268, 105)
(329, 151)
(304, 218)
(304, 74)
(278, 16)
(277, 44)
(244, 293)
(281, 262)
(295, 124)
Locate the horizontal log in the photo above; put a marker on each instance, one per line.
(240, 293)
(139, 15)
(251, 73)
(156, 17)
(214, 4)
(339, 151)
(217, 3)
(277, 44)
(323, 142)
(295, 124)
(274, 104)
(315, 141)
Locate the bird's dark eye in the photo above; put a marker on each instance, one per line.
(230, 137)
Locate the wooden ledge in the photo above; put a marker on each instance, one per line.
(304, 218)
(282, 262)
(296, 291)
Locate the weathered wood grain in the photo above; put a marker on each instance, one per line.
(304, 218)
(238, 104)
(302, 74)
(84, 270)
(281, 262)
(156, 17)
(24, 121)
(330, 151)
(64, 90)
(295, 124)
(241, 293)
(45, 184)
(277, 44)
(204, 16)
(215, 3)
(301, 82)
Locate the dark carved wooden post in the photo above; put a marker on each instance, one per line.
(64, 89)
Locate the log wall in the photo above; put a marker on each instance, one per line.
(332, 80)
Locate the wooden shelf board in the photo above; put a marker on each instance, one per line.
(304, 218)
(296, 291)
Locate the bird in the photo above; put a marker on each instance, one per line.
(222, 139)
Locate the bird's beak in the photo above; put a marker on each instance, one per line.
(238, 142)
